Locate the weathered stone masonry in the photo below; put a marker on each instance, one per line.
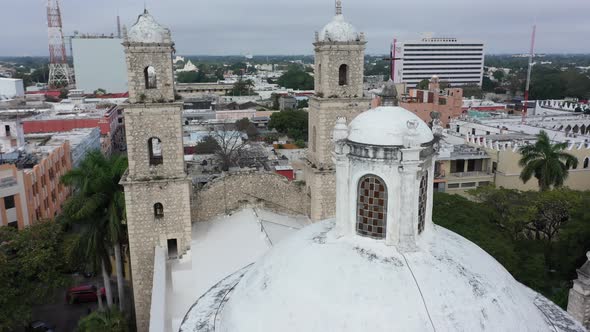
(232, 192)
(157, 189)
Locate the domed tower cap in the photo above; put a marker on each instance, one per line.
(389, 94)
(148, 30)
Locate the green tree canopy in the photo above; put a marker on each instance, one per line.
(546, 263)
(31, 268)
(547, 162)
(99, 321)
(423, 85)
(242, 88)
(292, 123)
(296, 78)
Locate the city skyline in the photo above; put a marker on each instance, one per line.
(287, 27)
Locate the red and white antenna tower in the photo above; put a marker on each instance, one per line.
(528, 76)
(59, 71)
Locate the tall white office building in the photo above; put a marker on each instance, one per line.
(457, 61)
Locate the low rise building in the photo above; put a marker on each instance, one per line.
(107, 120)
(462, 167)
(501, 138)
(30, 188)
(197, 90)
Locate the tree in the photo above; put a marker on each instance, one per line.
(275, 97)
(242, 88)
(100, 91)
(423, 85)
(509, 208)
(31, 268)
(546, 162)
(444, 84)
(63, 93)
(499, 75)
(98, 207)
(303, 104)
(242, 124)
(230, 144)
(292, 123)
(297, 79)
(111, 320)
(472, 90)
(207, 146)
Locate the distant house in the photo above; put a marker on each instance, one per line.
(287, 103)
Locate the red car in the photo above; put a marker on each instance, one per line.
(86, 293)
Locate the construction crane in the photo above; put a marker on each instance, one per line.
(59, 71)
(528, 76)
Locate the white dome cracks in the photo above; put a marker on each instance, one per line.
(388, 126)
(147, 30)
(339, 31)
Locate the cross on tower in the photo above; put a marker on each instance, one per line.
(392, 59)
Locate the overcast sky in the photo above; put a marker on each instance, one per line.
(222, 27)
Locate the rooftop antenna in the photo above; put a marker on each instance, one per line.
(59, 71)
(338, 7)
(528, 76)
(118, 26)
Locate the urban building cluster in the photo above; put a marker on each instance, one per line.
(361, 188)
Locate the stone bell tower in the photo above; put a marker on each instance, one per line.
(339, 72)
(578, 304)
(157, 189)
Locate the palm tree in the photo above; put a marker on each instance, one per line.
(546, 162)
(110, 320)
(98, 207)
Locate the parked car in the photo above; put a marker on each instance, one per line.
(85, 293)
(39, 326)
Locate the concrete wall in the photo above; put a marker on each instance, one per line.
(99, 63)
(229, 193)
(11, 87)
(158, 309)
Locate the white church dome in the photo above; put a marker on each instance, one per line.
(387, 126)
(338, 30)
(147, 30)
(315, 282)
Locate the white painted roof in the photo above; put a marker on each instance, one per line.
(386, 126)
(147, 30)
(338, 30)
(313, 281)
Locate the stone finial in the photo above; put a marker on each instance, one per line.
(410, 138)
(338, 7)
(437, 128)
(340, 129)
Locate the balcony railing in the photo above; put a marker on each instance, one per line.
(471, 174)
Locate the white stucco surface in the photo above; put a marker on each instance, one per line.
(314, 281)
(387, 125)
(219, 248)
(147, 30)
(338, 30)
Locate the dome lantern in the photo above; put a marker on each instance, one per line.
(383, 189)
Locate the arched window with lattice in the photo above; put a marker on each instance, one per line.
(371, 220)
(422, 202)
